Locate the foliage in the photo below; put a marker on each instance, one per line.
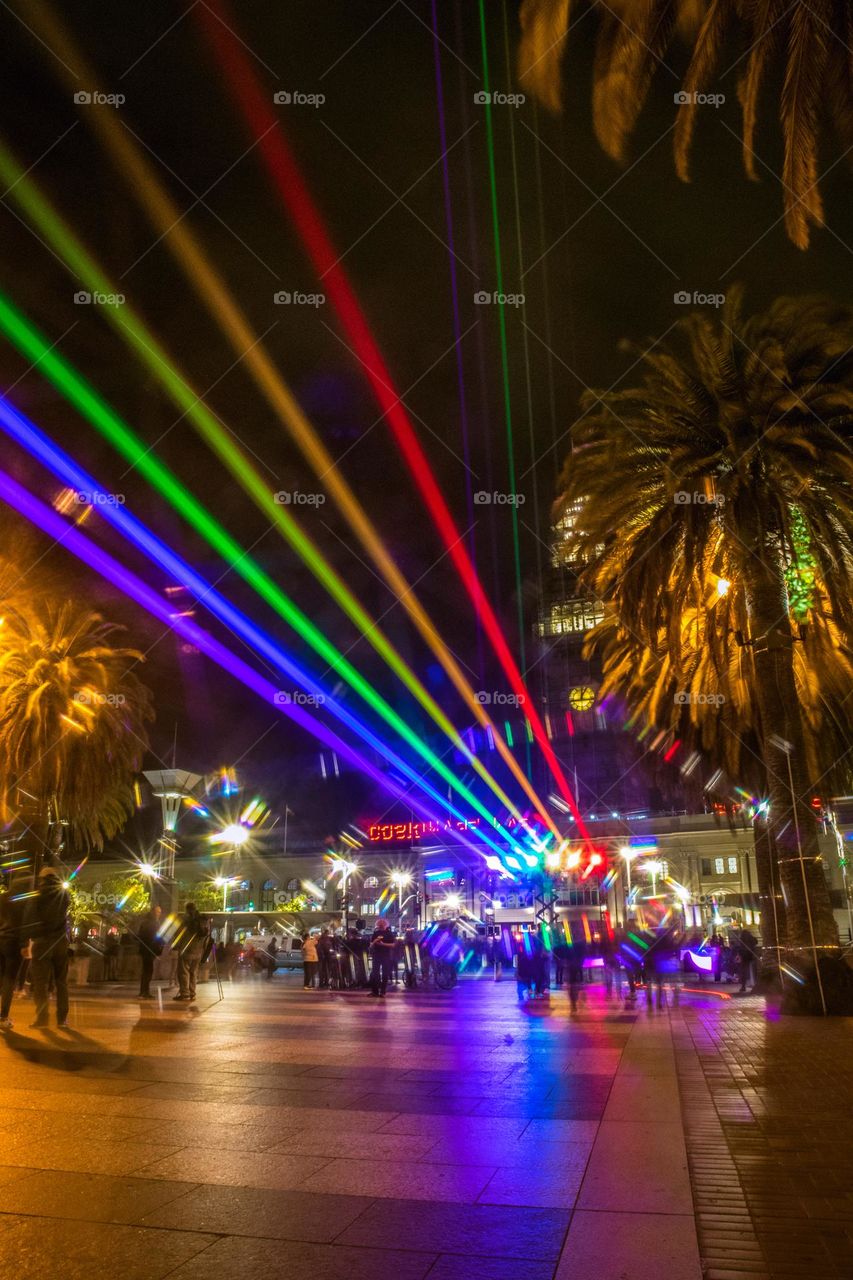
(701, 489)
(111, 898)
(294, 905)
(803, 45)
(204, 893)
(72, 715)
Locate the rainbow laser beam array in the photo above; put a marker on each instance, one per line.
(37, 443)
(57, 528)
(102, 417)
(154, 357)
(292, 187)
(223, 307)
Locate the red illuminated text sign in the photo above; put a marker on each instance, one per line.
(384, 832)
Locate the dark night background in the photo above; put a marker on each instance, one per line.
(636, 237)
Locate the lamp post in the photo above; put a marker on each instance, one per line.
(629, 855)
(654, 869)
(400, 879)
(171, 786)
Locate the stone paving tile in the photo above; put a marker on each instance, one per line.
(537, 1186)
(247, 1211)
(521, 1154)
(80, 1156)
(456, 1126)
(87, 1196)
(239, 1257)
(332, 1142)
(630, 1246)
(637, 1166)
(485, 1230)
(451, 1266)
(213, 1166)
(38, 1247)
(390, 1178)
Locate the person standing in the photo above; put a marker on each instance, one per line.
(272, 952)
(10, 954)
(325, 951)
(46, 928)
(383, 949)
(747, 952)
(150, 947)
(111, 954)
(190, 944)
(715, 946)
(310, 959)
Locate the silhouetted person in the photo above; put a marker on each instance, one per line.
(190, 943)
(383, 948)
(11, 917)
(747, 953)
(150, 947)
(46, 927)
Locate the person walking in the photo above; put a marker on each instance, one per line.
(190, 943)
(574, 964)
(150, 947)
(11, 915)
(525, 966)
(310, 959)
(383, 948)
(612, 971)
(46, 928)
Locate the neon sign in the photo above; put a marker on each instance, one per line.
(387, 832)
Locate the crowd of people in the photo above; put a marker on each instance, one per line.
(34, 947)
(656, 959)
(358, 958)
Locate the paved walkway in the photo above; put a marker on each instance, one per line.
(282, 1133)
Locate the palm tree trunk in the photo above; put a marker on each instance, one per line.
(793, 831)
(772, 905)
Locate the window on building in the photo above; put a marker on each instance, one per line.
(566, 617)
(371, 882)
(733, 866)
(293, 887)
(268, 895)
(706, 866)
(719, 867)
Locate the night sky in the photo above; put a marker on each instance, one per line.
(607, 249)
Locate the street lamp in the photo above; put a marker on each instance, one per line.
(629, 855)
(234, 834)
(346, 869)
(654, 869)
(222, 882)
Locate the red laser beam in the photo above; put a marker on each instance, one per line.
(256, 107)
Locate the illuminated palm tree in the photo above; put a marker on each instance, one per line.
(72, 721)
(731, 463)
(702, 693)
(802, 44)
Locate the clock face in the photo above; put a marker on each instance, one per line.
(582, 698)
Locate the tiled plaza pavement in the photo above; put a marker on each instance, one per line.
(282, 1133)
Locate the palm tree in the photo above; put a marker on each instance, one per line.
(731, 464)
(72, 721)
(804, 44)
(701, 691)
